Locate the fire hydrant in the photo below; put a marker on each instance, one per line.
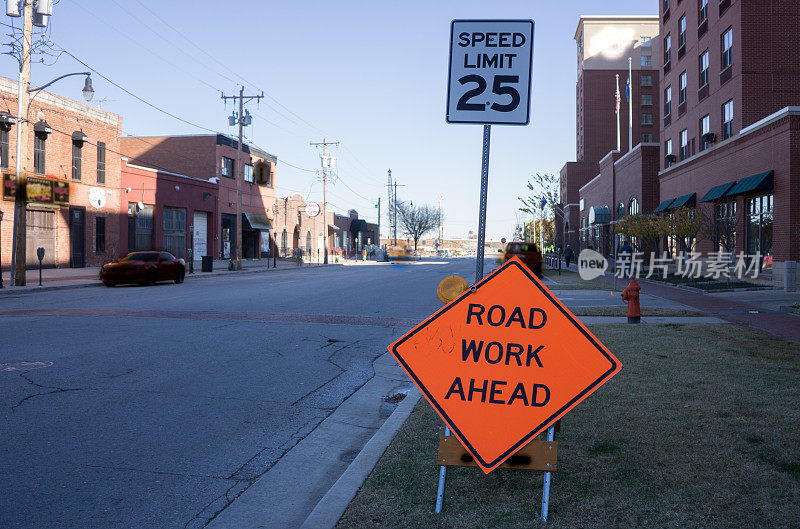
(631, 295)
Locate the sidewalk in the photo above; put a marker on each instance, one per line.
(63, 278)
(758, 309)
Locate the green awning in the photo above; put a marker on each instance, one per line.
(253, 221)
(664, 206)
(715, 193)
(686, 201)
(758, 182)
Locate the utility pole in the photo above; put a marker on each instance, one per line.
(324, 159)
(18, 255)
(378, 205)
(238, 173)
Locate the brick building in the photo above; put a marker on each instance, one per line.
(167, 211)
(731, 144)
(296, 230)
(604, 44)
(73, 169)
(353, 234)
(212, 157)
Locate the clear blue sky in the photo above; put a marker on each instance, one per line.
(371, 75)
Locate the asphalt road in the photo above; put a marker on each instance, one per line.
(158, 406)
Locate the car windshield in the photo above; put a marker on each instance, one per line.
(521, 248)
(141, 256)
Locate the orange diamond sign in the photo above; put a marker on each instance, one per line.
(503, 362)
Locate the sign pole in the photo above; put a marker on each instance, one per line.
(546, 488)
(487, 133)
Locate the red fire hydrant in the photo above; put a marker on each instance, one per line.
(631, 295)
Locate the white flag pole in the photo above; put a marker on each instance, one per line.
(630, 104)
(616, 103)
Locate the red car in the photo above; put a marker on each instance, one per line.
(528, 252)
(144, 267)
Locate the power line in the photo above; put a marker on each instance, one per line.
(170, 114)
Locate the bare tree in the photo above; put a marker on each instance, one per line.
(416, 221)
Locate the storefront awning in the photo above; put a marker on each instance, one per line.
(334, 228)
(715, 193)
(686, 201)
(664, 206)
(41, 127)
(79, 136)
(758, 182)
(599, 215)
(253, 221)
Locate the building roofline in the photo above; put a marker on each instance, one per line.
(637, 147)
(603, 159)
(587, 184)
(607, 18)
(154, 170)
(750, 129)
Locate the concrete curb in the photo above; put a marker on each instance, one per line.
(331, 507)
(197, 275)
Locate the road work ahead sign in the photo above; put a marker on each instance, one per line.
(503, 362)
(489, 80)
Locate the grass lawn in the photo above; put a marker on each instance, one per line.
(622, 310)
(700, 429)
(572, 281)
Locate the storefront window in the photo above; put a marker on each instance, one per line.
(759, 225)
(725, 226)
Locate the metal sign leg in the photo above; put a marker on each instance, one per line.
(487, 131)
(442, 472)
(546, 489)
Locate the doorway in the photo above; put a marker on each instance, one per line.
(77, 237)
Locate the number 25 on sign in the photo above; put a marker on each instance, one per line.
(489, 78)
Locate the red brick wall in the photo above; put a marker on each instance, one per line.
(772, 147)
(65, 117)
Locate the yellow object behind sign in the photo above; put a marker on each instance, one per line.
(450, 288)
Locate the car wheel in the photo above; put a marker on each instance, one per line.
(179, 277)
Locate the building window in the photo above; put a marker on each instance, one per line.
(705, 128)
(666, 5)
(724, 236)
(647, 61)
(99, 234)
(667, 152)
(727, 120)
(684, 144)
(647, 137)
(668, 101)
(248, 173)
(633, 207)
(646, 80)
(226, 167)
(39, 141)
(647, 119)
(647, 100)
(667, 48)
(263, 174)
(759, 225)
(682, 32)
(101, 162)
(704, 69)
(727, 46)
(4, 150)
(77, 150)
(682, 88)
(703, 14)
(283, 243)
(647, 42)
(308, 243)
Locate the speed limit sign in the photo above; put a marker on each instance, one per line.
(489, 80)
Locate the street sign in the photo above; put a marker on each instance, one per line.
(503, 362)
(489, 78)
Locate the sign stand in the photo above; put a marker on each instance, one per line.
(546, 487)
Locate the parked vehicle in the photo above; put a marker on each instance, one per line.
(528, 252)
(146, 268)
